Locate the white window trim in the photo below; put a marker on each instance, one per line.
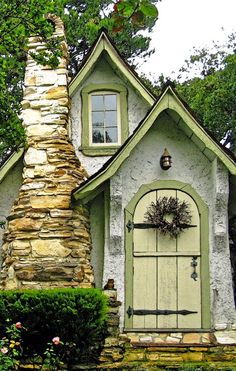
(118, 113)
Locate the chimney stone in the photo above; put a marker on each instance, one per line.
(47, 242)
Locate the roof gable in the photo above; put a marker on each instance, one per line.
(184, 119)
(10, 163)
(104, 45)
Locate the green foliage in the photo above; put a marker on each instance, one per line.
(211, 92)
(123, 20)
(10, 348)
(2, 224)
(77, 316)
(83, 20)
(19, 20)
(54, 353)
(207, 82)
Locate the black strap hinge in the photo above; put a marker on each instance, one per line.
(157, 312)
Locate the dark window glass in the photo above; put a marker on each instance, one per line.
(111, 135)
(104, 118)
(98, 119)
(98, 136)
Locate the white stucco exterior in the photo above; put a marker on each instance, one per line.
(190, 166)
(137, 109)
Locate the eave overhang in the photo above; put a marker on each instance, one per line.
(10, 163)
(104, 44)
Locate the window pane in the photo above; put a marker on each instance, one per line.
(111, 135)
(98, 136)
(110, 118)
(97, 102)
(97, 119)
(110, 102)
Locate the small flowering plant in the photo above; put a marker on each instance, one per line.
(52, 355)
(10, 348)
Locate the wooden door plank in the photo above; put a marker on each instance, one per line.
(150, 300)
(144, 239)
(189, 293)
(167, 292)
(144, 291)
(166, 242)
(139, 277)
(189, 239)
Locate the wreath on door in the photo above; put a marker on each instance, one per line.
(169, 215)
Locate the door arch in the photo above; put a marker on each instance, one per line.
(161, 292)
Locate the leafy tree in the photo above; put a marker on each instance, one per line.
(19, 19)
(211, 92)
(123, 19)
(83, 20)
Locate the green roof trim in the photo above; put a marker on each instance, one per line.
(103, 44)
(11, 161)
(168, 100)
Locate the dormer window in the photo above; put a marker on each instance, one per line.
(104, 118)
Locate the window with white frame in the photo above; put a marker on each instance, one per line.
(104, 118)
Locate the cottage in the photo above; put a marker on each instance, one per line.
(120, 185)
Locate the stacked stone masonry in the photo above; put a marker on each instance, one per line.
(167, 351)
(47, 241)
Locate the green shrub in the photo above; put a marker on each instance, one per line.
(77, 316)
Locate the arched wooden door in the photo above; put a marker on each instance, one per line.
(166, 288)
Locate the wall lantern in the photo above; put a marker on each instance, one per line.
(165, 160)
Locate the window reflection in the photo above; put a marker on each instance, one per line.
(104, 118)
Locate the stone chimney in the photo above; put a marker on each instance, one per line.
(47, 241)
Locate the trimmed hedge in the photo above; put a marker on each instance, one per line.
(77, 316)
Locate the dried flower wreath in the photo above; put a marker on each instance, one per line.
(158, 211)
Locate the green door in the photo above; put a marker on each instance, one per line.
(165, 292)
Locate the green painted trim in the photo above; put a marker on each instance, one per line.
(103, 44)
(97, 221)
(101, 87)
(200, 134)
(4, 170)
(128, 267)
(168, 100)
(93, 150)
(124, 154)
(91, 196)
(204, 229)
(107, 200)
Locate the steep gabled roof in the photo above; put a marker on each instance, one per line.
(9, 163)
(101, 45)
(184, 119)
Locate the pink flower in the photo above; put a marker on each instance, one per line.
(4, 350)
(18, 325)
(56, 340)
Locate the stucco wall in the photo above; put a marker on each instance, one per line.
(9, 190)
(137, 108)
(210, 181)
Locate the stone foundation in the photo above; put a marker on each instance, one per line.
(125, 352)
(47, 242)
(164, 350)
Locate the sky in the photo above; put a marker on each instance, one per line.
(183, 24)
